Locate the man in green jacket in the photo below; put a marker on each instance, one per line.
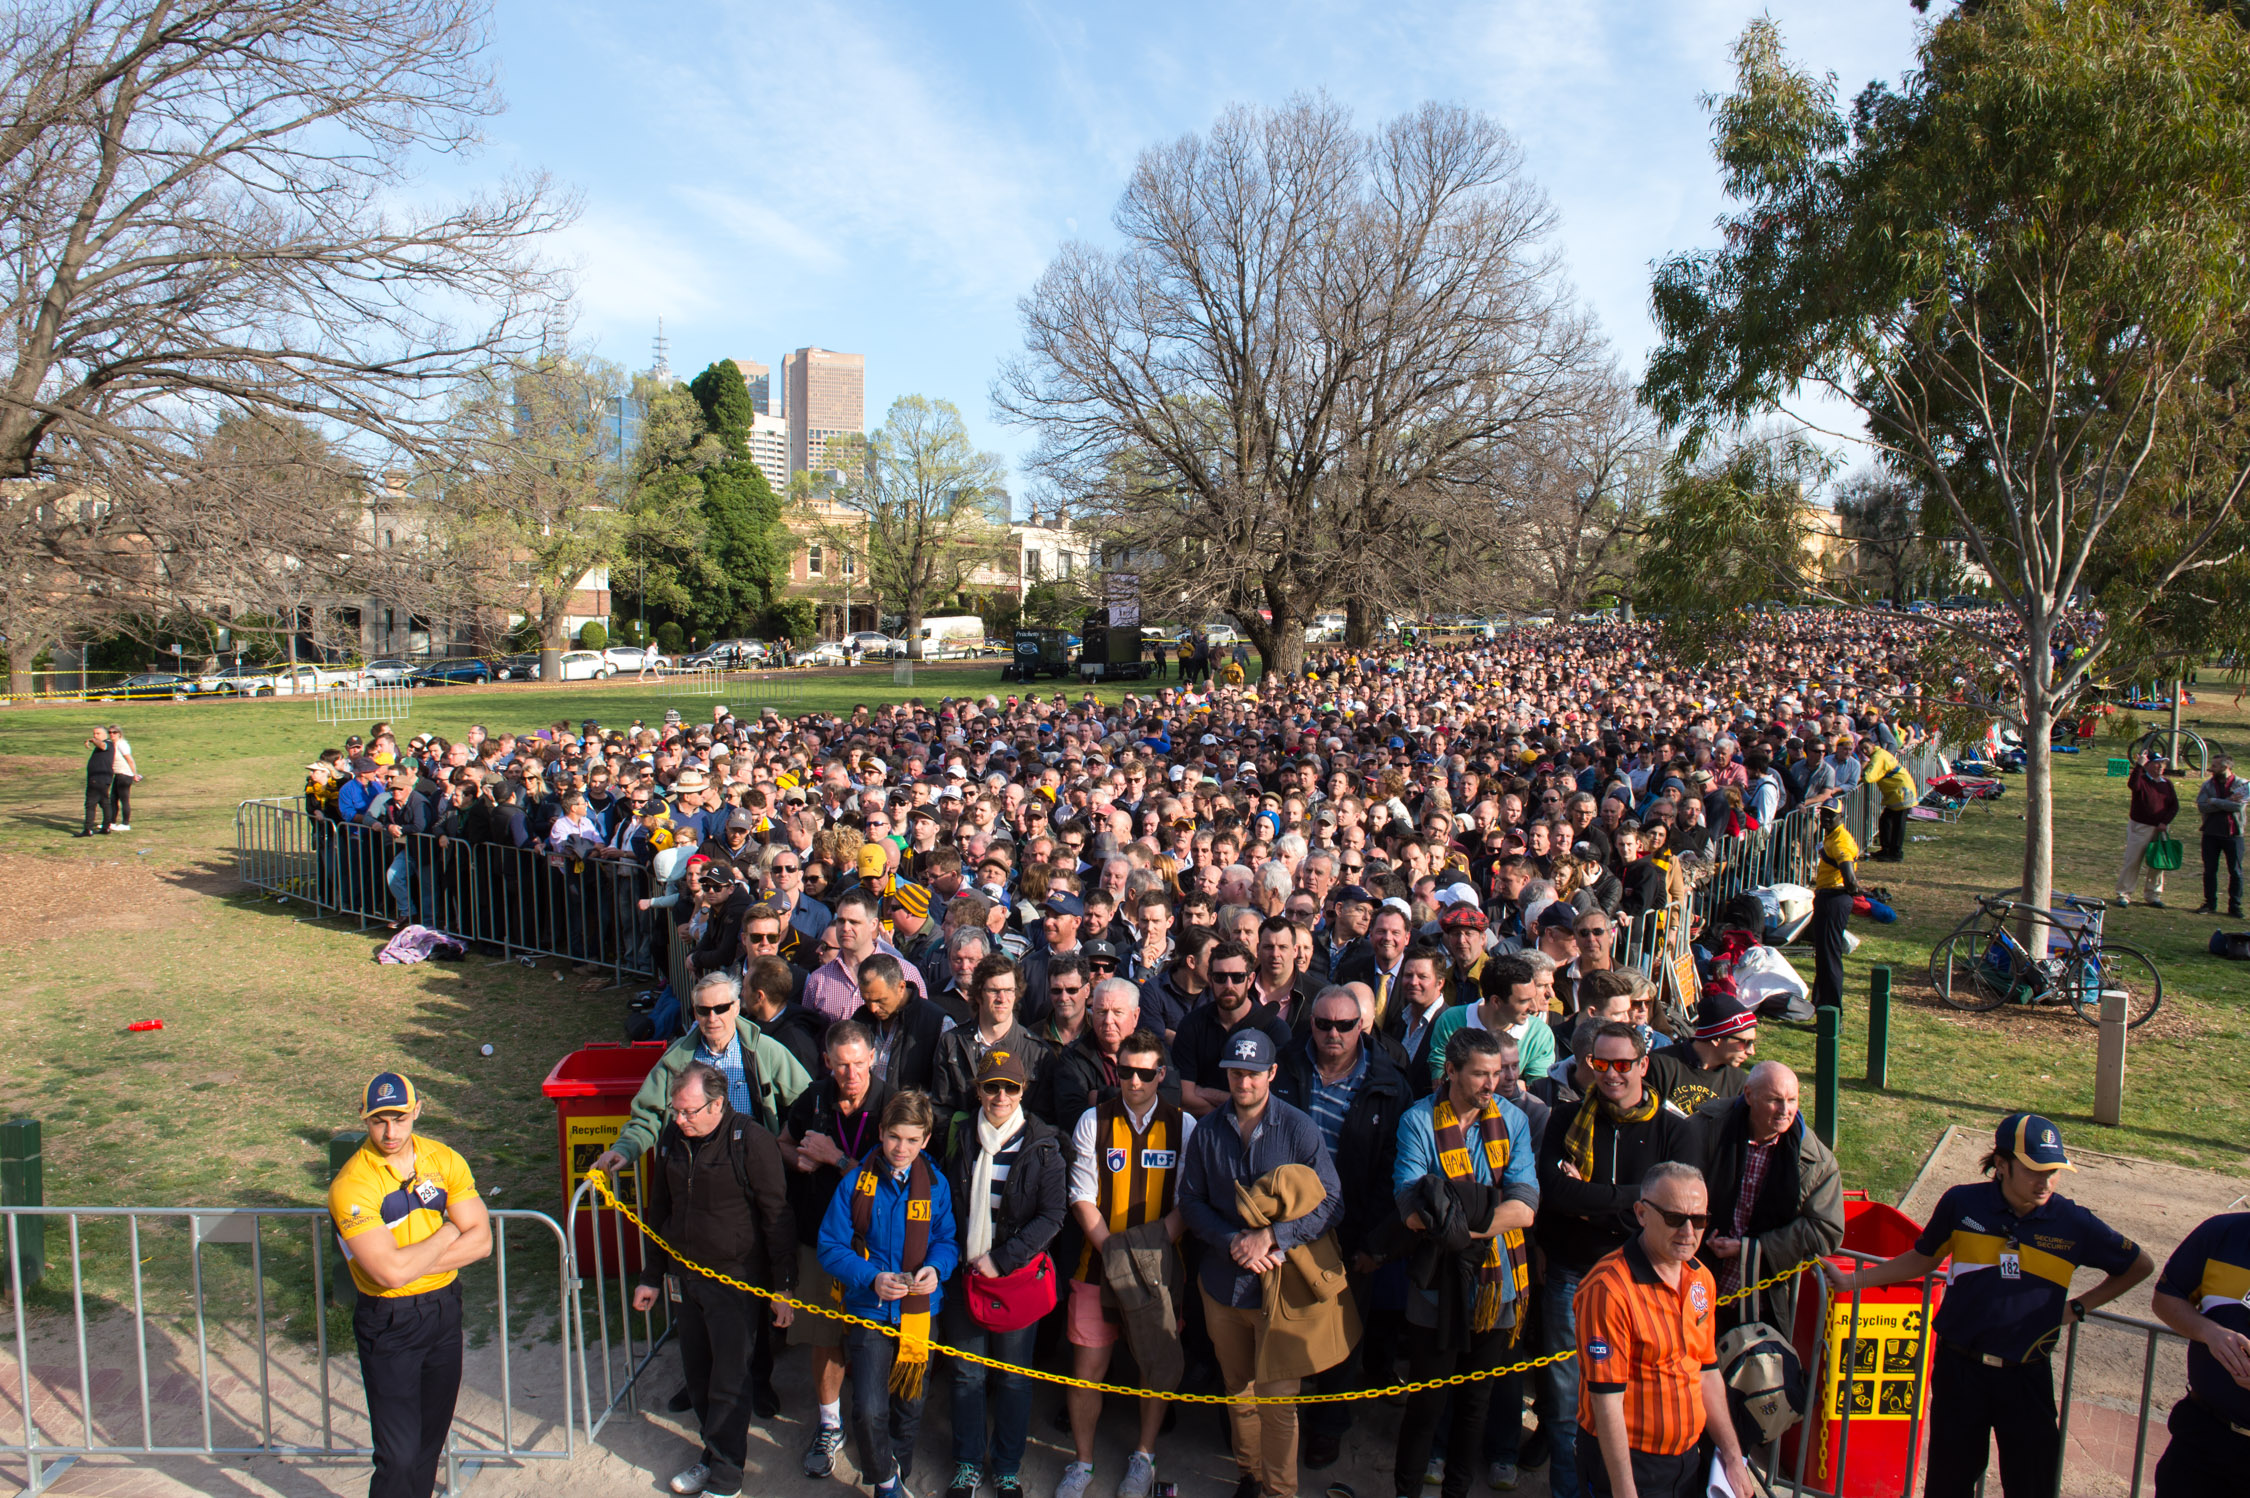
(763, 1079)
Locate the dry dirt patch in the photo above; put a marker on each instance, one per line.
(51, 897)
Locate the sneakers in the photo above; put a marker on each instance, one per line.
(713, 1490)
(1503, 1477)
(121, 826)
(2206, 908)
(1434, 1474)
(2154, 902)
(2121, 898)
(1010, 1486)
(967, 1478)
(820, 1452)
(1076, 1479)
(690, 1481)
(1140, 1477)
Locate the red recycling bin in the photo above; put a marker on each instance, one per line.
(593, 1090)
(1888, 1383)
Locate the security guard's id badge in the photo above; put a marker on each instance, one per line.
(672, 1288)
(2011, 1263)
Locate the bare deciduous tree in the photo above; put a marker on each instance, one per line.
(205, 219)
(1297, 371)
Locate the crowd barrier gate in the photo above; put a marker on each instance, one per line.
(141, 1423)
(524, 901)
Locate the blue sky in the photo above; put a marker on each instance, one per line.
(889, 179)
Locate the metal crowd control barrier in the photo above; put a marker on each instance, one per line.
(765, 689)
(696, 681)
(612, 1247)
(365, 704)
(1838, 1405)
(522, 901)
(187, 1398)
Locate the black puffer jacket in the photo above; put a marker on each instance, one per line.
(1033, 1200)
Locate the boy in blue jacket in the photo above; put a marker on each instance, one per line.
(888, 1241)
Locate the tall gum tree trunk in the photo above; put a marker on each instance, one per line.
(2038, 676)
(913, 628)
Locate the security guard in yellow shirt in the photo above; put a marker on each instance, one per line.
(1883, 771)
(408, 1321)
(1835, 885)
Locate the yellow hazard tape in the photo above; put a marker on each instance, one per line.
(600, 1184)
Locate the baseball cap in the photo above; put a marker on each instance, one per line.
(1350, 894)
(1099, 949)
(2031, 1140)
(364, 766)
(1248, 1050)
(1558, 916)
(1002, 1066)
(740, 820)
(1064, 905)
(388, 1092)
(871, 860)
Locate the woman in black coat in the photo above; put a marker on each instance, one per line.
(1011, 1187)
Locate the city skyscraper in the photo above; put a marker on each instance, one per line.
(824, 395)
(759, 378)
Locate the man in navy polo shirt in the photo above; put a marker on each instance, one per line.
(2014, 1245)
(2204, 1295)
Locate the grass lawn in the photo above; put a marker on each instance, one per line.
(271, 1023)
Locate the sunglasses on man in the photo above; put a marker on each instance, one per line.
(1613, 1063)
(711, 1011)
(1140, 1073)
(1335, 1026)
(1696, 1220)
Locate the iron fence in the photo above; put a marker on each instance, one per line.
(611, 1250)
(528, 901)
(74, 1408)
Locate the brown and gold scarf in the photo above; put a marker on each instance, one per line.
(1505, 1258)
(914, 1311)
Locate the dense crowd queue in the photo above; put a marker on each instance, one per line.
(1275, 1036)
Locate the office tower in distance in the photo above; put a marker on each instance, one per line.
(824, 395)
(760, 380)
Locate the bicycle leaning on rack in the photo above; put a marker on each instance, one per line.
(2196, 752)
(1983, 963)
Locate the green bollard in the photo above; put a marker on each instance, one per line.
(23, 1184)
(1825, 1079)
(341, 1147)
(1878, 1026)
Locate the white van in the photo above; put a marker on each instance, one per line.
(951, 637)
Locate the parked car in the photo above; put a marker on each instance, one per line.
(147, 686)
(226, 679)
(873, 642)
(1919, 606)
(826, 653)
(443, 673)
(585, 665)
(724, 653)
(300, 680)
(637, 658)
(389, 671)
(520, 667)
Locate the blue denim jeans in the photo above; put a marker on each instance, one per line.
(1010, 1396)
(1559, 1329)
(883, 1425)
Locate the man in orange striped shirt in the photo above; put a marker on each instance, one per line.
(1651, 1404)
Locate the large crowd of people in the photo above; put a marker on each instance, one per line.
(1270, 1032)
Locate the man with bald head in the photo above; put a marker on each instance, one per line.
(1777, 1197)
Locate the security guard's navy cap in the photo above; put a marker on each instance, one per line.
(2032, 1141)
(387, 1093)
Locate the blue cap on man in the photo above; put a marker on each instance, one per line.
(387, 1093)
(1248, 1050)
(2031, 1140)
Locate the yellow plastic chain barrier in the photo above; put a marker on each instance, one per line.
(600, 1184)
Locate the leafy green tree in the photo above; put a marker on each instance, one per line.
(725, 400)
(745, 548)
(2023, 265)
(792, 618)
